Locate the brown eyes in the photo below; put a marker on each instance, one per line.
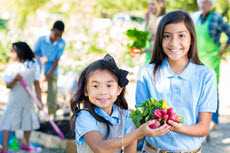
(96, 86)
(165, 37)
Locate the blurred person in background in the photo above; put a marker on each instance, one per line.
(209, 27)
(48, 50)
(156, 8)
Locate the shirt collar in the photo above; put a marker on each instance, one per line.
(203, 18)
(113, 118)
(168, 72)
(49, 41)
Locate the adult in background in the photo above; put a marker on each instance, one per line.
(156, 8)
(48, 50)
(209, 27)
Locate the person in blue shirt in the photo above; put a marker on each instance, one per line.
(175, 74)
(100, 111)
(48, 50)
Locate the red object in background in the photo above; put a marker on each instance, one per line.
(134, 51)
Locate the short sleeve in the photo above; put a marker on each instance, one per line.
(208, 99)
(61, 47)
(224, 27)
(9, 74)
(142, 93)
(37, 71)
(129, 126)
(37, 48)
(84, 123)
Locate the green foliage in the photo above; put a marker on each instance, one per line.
(223, 7)
(3, 54)
(127, 59)
(137, 19)
(144, 113)
(3, 24)
(96, 50)
(115, 6)
(139, 38)
(93, 47)
(25, 8)
(187, 5)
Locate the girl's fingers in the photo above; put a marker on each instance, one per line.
(172, 123)
(162, 130)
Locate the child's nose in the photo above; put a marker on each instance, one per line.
(103, 90)
(174, 42)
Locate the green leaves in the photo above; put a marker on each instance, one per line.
(144, 113)
(138, 37)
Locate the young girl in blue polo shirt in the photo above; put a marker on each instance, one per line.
(102, 122)
(176, 75)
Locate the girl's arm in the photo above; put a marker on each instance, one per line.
(11, 84)
(99, 145)
(38, 91)
(200, 129)
(131, 148)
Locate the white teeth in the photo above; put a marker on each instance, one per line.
(103, 99)
(174, 50)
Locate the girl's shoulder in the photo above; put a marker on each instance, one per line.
(13, 67)
(31, 64)
(203, 71)
(146, 69)
(85, 115)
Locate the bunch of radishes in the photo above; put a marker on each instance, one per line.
(153, 109)
(162, 116)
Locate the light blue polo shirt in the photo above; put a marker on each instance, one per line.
(190, 92)
(85, 122)
(53, 51)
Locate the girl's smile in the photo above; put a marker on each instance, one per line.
(102, 89)
(176, 41)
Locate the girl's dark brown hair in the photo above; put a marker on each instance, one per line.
(174, 17)
(23, 51)
(81, 102)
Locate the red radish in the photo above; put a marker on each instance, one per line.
(154, 125)
(157, 114)
(173, 117)
(163, 112)
(170, 110)
(165, 117)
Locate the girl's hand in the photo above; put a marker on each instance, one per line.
(175, 126)
(161, 130)
(18, 77)
(148, 131)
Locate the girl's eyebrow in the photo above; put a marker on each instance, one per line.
(110, 81)
(176, 32)
(94, 81)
